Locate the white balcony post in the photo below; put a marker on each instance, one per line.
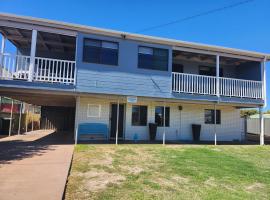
(32, 55)
(261, 126)
(3, 44)
(217, 75)
(2, 51)
(263, 79)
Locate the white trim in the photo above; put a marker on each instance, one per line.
(77, 111)
(263, 77)
(88, 111)
(261, 126)
(32, 55)
(217, 76)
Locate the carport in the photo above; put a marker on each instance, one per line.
(57, 108)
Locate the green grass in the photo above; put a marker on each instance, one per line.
(170, 172)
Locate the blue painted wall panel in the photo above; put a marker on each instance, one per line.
(125, 78)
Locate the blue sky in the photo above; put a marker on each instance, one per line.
(245, 27)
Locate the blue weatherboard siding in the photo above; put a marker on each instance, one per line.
(125, 78)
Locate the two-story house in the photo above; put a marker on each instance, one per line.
(85, 74)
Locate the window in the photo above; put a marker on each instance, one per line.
(209, 71)
(159, 116)
(179, 68)
(102, 52)
(209, 116)
(153, 58)
(139, 115)
(93, 110)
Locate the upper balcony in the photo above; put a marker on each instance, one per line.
(36, 56)
(215, 75)
(207, 85)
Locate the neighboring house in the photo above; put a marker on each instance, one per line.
(93, 75)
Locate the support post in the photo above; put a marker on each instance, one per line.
(32, 55)
(3, 44)
(117, 123)
(20, 119)
(11, 116)
(263, 77)
(76, 119)
(217, 76)
(26, 119)
(164, 124)
(261, 126)
(215, 128)
(2, 51)
(32, 117)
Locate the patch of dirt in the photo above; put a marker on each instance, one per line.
(99, 180)
(255, 186)
(180, 179)
(133, 170)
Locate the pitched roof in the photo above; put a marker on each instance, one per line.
(159, 40)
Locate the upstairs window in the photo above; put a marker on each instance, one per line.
(139, 115)
(101, 52)
(209, 116)
(153, 58)
(209, 71)
(159, 116)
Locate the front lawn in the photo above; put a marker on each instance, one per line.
(171, 172)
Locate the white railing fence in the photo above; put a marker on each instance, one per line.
(54, 70)
(192, 83)
(198, 84)
(16, 67)
(240, 88)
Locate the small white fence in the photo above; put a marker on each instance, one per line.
(17, 67)
(253, 126)
(199, 84)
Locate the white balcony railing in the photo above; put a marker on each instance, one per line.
(191, 83)
(206, 85)
(16, 67)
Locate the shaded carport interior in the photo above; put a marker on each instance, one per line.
(57, 108)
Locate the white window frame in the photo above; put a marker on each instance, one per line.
(93, 116)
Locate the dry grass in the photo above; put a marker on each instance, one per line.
(171, 172)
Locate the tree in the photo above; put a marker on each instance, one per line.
(247, 113)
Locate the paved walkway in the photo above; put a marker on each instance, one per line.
(35, 165)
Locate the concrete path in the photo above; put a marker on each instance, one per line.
(35, 165)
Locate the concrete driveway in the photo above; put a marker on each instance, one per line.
(35, 165)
